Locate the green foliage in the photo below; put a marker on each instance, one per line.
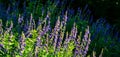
(10, 36)
(27, 46)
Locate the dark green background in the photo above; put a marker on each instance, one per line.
(108, 9)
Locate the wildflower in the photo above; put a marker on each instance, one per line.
(26, 29)
(22, 43)
(20, 19)
(62, 31)
(1, 46)
(76, 52)
(38, 45)
(46, 27)
(66, 40)
(73, 32)
(86, 41)
(56, 32)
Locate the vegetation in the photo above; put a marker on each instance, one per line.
(51, 29)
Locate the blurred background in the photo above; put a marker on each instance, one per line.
(108, 9)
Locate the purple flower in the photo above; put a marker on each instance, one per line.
(62, 31)
(67, 40)
(38, 44)
(32, 23)
(84, 45)
(73, 32)
(1, 46)
(56, 32)
(76, 52)
(46, 28)
(86, 41)
(44, 31)
(20, 19)
(22, 43)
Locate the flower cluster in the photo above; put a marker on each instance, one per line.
(43, 40)
(40, 35)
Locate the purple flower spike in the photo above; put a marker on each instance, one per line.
(86, 41)
(82, 47)
(73, 32)
(66, 40)
(56, 31)
(46, 28)
(38, 45)
(22, 43)
(20, 19)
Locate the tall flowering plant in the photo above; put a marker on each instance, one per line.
(46, 41)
